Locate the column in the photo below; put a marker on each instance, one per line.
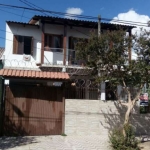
(65, 44)
(103, 92)
(42, 43)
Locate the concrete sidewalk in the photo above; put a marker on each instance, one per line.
(54, 143)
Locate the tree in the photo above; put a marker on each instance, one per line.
(108, 56)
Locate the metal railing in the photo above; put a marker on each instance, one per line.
(70, 56)
(81, 93)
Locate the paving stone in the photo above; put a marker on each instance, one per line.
(55, 143)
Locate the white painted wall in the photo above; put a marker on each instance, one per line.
(71, 31)
(15, 59)
(35, 32)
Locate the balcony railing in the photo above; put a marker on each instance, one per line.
(55, 56)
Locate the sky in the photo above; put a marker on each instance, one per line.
(128, 10)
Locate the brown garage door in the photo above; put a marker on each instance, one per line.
(33, 110)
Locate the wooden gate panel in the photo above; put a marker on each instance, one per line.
(33, 110)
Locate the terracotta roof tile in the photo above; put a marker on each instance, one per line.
(29, 73)
(25, 73)
(9, 72)
(5, 72)
(41, 74)
(18, 72)
(36, 74)
(13, 73)
(33, 74)
(44, 74)
(21, 73)
(51, 75)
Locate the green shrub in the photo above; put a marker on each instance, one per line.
(63, 134)
(119, 142)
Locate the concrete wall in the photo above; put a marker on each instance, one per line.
(95, 117)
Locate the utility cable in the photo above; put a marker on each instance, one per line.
(79, 16)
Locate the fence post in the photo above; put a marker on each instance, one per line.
(86, 90)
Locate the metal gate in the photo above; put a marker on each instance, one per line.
(33, 110)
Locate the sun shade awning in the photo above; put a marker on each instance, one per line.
(33, 74)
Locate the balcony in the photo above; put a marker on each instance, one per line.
(55, 56)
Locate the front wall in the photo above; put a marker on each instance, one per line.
(33, 110)
(95, 117)
(35, 32)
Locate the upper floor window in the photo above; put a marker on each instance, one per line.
(72, 51)
(22, 45)
(53, 43)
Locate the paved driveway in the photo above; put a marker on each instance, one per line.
(54, 143)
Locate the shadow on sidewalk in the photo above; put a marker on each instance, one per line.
(11, 142)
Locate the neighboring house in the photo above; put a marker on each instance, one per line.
(41, 69)
(2, 49)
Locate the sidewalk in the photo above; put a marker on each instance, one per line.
(145, 145)
(54, 143)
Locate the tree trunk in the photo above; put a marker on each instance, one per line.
(127, 115)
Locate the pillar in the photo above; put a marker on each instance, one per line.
(103, 91)
(65, 44)
(42, 43)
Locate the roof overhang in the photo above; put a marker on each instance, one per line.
(78, 23)
(16, 73)
(22, 23)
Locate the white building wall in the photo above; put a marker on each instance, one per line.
(35, 32)
(77, 32)
(17, 59)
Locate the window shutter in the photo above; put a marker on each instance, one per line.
(61, 42)
(70, 42)
(15, 44)
(32, 46)
(51, 41)
(21, 44)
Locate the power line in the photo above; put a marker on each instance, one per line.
(30, 5)
(29, 18)
(14, 14)
(74, 15)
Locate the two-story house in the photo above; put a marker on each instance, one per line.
(39, 61)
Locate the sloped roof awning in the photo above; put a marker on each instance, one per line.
(78, 22)
(33, 74)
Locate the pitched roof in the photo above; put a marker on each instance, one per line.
(2, 49)
(33, 74)
(77, 22)
(23, 23)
